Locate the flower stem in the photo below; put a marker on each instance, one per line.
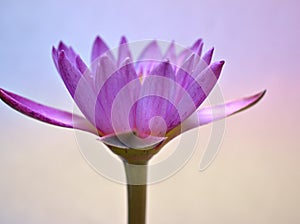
(136, 175)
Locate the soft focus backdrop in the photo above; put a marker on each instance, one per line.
(255, 177)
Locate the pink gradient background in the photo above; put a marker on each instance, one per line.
(255, 177)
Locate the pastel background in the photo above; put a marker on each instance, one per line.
(255, 177)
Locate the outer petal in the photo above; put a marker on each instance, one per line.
(207, 115)
(45, 113)
(214, 113)
(210, 114)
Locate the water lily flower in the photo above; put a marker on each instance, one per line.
(159, 92)
(135, 106)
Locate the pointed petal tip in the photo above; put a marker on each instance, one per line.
(209, 53)
(208, 56)
(247, 102)
(199, 41)
(262, 93)
(211, 50)
(257, 97)
(198, 44)
(53, 49)
(97, 39)
(123, 40)
(216, 68)
(61, 46)
(99, 48)
(222, 62)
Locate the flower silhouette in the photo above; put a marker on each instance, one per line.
(135, 104)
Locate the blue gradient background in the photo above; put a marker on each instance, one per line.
(255, 178)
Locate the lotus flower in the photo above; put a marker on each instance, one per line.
(134, 104)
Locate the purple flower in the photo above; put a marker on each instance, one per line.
(135, 104)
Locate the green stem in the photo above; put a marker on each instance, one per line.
(136, 192)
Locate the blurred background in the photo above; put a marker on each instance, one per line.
(256, 175)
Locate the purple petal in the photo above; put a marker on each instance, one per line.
(151, 51)
(210, 114)
(157, 99)
(80, 65)
(69, 73)
(194, 91)
(105, 68)
(99, 48)
(214, 113)
(111, 84)
(124, 108)
(208, 78)
(124, 51)
(203, 63)
(149, 58)
(208, 56)
(197, 47)
(85, 71)
(69, 52)
(164, 69)
(79, 88)
(183, 75)
(198, 88)
(45, 113)
(55, 57)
